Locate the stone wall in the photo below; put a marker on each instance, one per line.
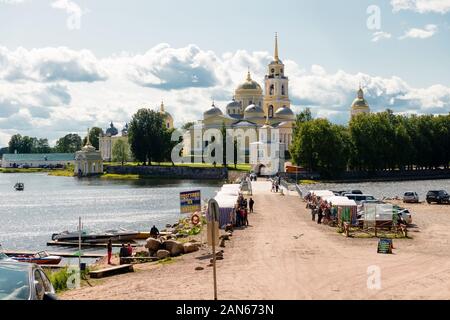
(175, 172)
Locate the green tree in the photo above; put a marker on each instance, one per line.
(147, 136)
(120, 151)
(94, 134)
(70, 143)
(15, 144)
(187, 125)
(41, 146)
(321, 146)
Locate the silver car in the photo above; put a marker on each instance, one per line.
(411, 197)
(24, 281)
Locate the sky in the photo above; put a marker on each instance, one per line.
(66, 65)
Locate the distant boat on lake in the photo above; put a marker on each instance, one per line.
(19, 186)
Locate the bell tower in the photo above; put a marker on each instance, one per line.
(276, 94)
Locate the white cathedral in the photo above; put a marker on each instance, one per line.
(253, 108)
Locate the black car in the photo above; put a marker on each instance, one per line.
(438, 196)
(24, 281)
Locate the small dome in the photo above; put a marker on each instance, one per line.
(233, 104)
(360, 103)
(253, 111)
(285, 114)
(88, 148)
(112, 131)
(212, 112)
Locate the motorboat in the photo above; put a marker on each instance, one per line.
(41, 257)
(116, 235)
(19, 186)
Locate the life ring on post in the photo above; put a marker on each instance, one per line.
(195, 219)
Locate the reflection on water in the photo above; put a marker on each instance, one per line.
(53, 204)
(386, 189)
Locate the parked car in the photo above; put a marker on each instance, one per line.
(411, 197)
(24, 281)
(440, 196)
(359, 197)
(406, 215)
(4, 257)
(343, 193)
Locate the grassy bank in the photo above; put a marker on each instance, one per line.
(240, 167)
(22, 170)
(67, 172)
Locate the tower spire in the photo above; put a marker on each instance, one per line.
(249, 77)
(88, 141)
(276, 47)
(162, 106)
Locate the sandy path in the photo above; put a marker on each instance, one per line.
(284, 255)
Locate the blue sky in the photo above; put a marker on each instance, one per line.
(111, 48)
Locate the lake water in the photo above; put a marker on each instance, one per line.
(53, 204)
(386, 189)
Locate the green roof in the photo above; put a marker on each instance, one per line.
(38, 157)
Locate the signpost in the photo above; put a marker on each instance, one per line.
(213, 234)
(79, 243)
(190, 201)
(385, 246)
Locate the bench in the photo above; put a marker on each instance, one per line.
(124, 268)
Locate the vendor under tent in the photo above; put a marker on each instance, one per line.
(226, 208)
(345, 208)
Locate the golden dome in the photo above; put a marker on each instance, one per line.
(249, 84)
(360, 102)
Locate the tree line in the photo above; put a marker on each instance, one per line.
(371, 142)
(70, 143)
(149, 140)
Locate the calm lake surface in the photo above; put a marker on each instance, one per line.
(53, 204)
(386, 189)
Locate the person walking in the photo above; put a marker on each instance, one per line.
(251, 203)
(109, 248)
(130, 250)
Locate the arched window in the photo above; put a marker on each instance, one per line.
(282, 90)
(272, 88)
(271, 111)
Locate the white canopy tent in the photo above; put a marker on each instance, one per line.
(339, 201)
(322, 193)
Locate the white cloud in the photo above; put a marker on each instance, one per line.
(50, 64)
(421, 6)
(73, 10)
(416, 33)
(34, 103)
(380, 35)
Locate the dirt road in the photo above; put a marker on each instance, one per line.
(284, 255)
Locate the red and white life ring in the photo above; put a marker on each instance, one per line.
(195, 219)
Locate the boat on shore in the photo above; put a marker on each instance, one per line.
(19, 186)
(41, 257)
(116, 235)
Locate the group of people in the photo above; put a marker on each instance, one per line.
(125, 251)
(323, 209)
(276, 182)
(242, 209)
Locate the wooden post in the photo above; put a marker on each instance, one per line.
(213, 208)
